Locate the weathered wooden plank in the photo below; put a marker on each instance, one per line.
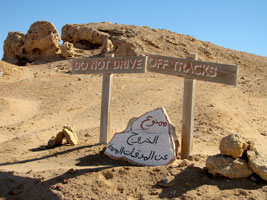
(114, 65)
(188, 115)
(194, 69)
(188, 118)
(105, 106)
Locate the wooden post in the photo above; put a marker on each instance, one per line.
(188, 115)
(105, 106)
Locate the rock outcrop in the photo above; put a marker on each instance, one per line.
(102, 38)
(41, 42)
(228, 167)
(96, 39)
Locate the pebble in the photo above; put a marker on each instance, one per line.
(167, 181)
(72, 171)
(108, 175)
(154, 192)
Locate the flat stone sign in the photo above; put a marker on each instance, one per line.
(114, 65)
(148, 140)
(194, 69)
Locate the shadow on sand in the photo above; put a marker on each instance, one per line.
(192, 178)
(13, 186)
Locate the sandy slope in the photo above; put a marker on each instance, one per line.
(37, 100)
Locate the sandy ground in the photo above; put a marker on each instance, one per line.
(37, 100)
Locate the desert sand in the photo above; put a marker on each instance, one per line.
(38, 99)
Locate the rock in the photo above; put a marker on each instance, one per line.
(51, 142)
(40, 43)
(127, 47)
(67, 133)
(85, 36)
(14, 46)
(258, 163)
(147, 140)
(59, 138)
(228, 167)
(101, 38)
(67, 50)
(71, 137)
(55, 141)
(234, 145)
(167, 181)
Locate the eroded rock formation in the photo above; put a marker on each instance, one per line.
(41, 42)
(102, 38)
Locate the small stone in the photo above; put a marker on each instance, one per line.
(108, 174)
(65, 181)
(264, 133)
(72, 171)
(57, 187)
(167, 181)
(154, 192)
(243, 192)
(88, 135)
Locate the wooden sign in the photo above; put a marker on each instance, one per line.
(114, 65)
(189, 68)
(194, 69)
(148, 140)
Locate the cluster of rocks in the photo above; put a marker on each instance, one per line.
(42, 42)
(238, 159)
(66, 133)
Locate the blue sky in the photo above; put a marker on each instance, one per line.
(235, 24)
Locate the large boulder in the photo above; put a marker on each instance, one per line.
(14, 47)
(258, 163)
(41, 42)
(234, 145)
(228, 167)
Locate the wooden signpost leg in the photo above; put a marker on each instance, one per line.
(105, 106)
(188, 115)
